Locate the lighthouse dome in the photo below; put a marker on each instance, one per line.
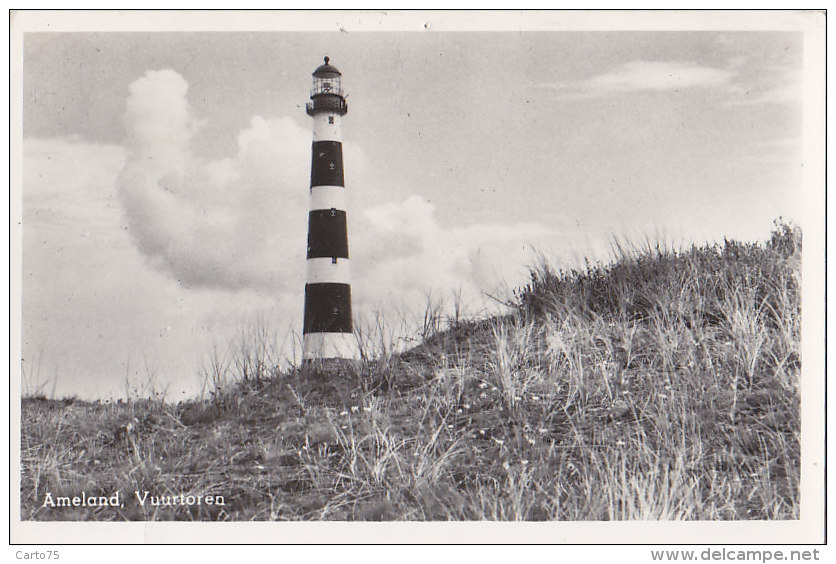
(327, 70)
(327, 94)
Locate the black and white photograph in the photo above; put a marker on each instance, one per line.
(540, 268)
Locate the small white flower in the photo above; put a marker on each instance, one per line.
(367, 408)
(543, 431)
(355, 408)
(524, 462)
(531, 441)
(343, 413)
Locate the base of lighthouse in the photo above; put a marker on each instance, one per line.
(320, 346)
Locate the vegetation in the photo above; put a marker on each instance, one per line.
(661, 386)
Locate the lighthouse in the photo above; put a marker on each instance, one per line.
(327, 329)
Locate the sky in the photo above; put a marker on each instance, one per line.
(165, 176)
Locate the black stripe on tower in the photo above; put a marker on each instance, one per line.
(327, 308)
(327, 164)
(327, 234)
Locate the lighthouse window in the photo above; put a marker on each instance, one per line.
(333, 260)
(330, 119)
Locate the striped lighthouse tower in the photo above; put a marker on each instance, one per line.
(328, 332)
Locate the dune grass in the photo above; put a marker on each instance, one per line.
(662, 386)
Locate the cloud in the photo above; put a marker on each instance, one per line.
(773, 86)
(403, 254)
(236, 223)
(158, 118)
(660, 75)
(240, 223)
(636, 76)
(93, 312)
(737, 84)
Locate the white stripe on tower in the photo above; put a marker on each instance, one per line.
(324, 270)
(327, 197)
(330, 345)
(326, 127)
(328, 325)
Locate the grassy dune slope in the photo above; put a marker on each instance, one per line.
(664, 386)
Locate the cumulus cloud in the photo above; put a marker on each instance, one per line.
(93, 309)
(234, 223)
(94, 314)
(240, 223)
(403, 254)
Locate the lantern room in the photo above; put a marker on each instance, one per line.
(327, 94)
